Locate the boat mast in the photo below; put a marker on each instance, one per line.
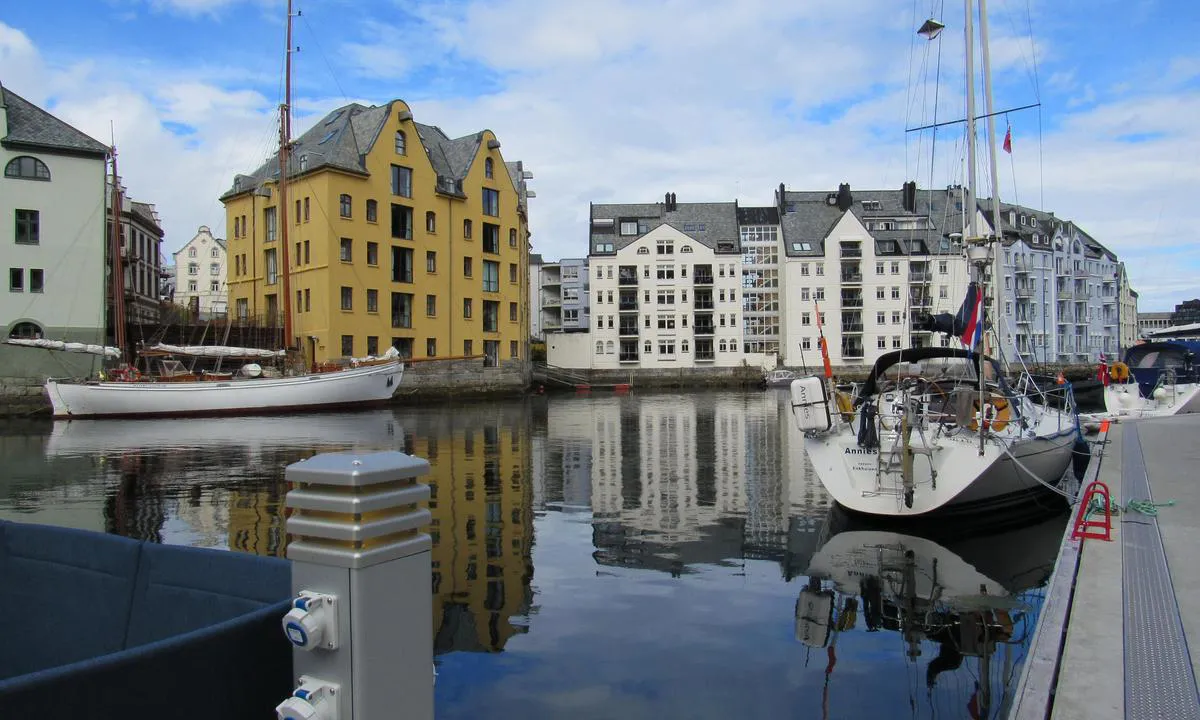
(118, 267)
(285, 138)
(977, 247)
(997, 235)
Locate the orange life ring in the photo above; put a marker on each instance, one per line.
(997, 413)
(1119, 372)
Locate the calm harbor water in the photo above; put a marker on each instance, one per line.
(646, 556)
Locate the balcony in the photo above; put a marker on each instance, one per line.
(705, 279)
(920, 276)
(628, 330)
(703, 305)
(1065, 295)
(627, 306)
(703, 329)
(852, 277)
(1023, 320)
(1020, 266)
(921, 302)
(851, 252)
(627, 279)
(705, 356)
(627, 357)
(852, 352)
(853, 327)
(1024, 291)
(852, 302)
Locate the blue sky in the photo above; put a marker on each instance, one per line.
(623, 100)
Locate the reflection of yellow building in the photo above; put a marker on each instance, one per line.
(397, 235)
(482, 535)
(257, 520)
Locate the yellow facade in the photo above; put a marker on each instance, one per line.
(355, 287)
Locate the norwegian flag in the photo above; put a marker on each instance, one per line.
(1008, 140)
(973, 328)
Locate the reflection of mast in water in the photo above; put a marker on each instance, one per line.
(134, 506)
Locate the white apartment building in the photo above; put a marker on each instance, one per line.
(535, 296)
(52, 201)
(1127, 302)
(200, 268)
(666, 287)
(760, 234)
(868, 261)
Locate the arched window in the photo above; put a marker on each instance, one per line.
(488, 168)
(430, 222)
(599, 347)
(29, 168)
(26, 331)
(192, 252)
(512, 237)
(723, 346)
(610, 347)
(649, 347)
(401, 143)
(344, 204)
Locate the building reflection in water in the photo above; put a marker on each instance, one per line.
(675, 481)
(965, 610)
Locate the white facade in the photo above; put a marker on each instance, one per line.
(761, 302)
(200, 271)
(535, 296)
(52, 207)
(666, 300)
(1127, 299)
(865, 297)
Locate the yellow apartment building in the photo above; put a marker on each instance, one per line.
(396, 235)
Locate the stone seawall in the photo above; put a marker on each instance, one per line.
(20, 396)
(462, 377)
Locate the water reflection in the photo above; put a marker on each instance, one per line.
(964, 609)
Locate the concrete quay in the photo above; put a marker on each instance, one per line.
(1121, 617)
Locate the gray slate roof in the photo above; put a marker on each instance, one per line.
(808, 216)
(706, 223)
(32, 127)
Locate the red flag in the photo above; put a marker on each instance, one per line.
(1008, 140)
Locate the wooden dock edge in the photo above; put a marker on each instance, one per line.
(1034, 696)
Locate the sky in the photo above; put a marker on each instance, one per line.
(625, 100)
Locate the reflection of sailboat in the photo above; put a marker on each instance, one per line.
(970, 599)
(938, 429)
(376, 429)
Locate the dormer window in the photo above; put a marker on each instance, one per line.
(1022, 221)
(303, 163)
(629, 227)
(871, 205)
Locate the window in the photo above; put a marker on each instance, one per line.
(942, 267)
(307, 300)
(305, 209)
(344, 205)
(269, 263)
(491, 276)
(897, 317)
(431, 347)
(512, 237)
(491, 238)
(667, 272)
(214, 286)
(895, 293)
(401, 181)
(491, 316)
(895, 268)
(402, 220)
(402, 310)
(806, 318)
(297, 218)
(468, 266)
(878, 268)
(347, 346)
(193, 268)
(881, 317)
(491, 202)
(896, 342)
(466, 229)
(305, 255)
(665, 247)
(430, 222)
(804, 268)
(346, 250)
(491, 353)
(512, 272)
(512, 313)
(401, 143)
(373, 254)
(468, 348)
(804, 293)
(488, 168)
(16, 279)
(881, 342)
(430, 261)
(28, 231)
(402, 265)
(269, 224)
(819, 293)
(372, 211)
(514, 349)
(666, 347)
(26, 168)
(347, 298)
(649, 347)
(372, 303)
(431, 305)
(214, 269)
(820, 267)
(237, 226)
(943, 292)
(216, 252)
(192, 286)
(629, 228)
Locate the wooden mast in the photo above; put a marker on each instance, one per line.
(118, 267)
(285, 138)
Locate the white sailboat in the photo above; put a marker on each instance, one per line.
(939, 430)
(173, 392)
(1157, 378)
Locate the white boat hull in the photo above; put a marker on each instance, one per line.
(353, 386)
(1125, 400)
(965, 480)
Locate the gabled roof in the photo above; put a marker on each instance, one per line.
(758, 215)
(32, 127)
(706, 223)
(1010, 232)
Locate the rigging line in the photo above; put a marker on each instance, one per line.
(325, 58)
(908, 87)
(1012, 166)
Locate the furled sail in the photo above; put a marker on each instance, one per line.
(215, 351)
(76, 347)
(956, 324)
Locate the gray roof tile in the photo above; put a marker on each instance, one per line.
(712, 224)
(33, 127)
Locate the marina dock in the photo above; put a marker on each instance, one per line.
(1120, 615)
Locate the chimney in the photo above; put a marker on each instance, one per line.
(779, 199)
(667, 200)
(908, 196)
(844, 198)
(671, 205)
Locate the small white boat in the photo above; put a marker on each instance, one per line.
(779, 378)
(1156, 379)
(355, 386)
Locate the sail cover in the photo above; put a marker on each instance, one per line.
(102, 350)
(215, 351)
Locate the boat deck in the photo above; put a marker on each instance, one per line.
(1120, 616)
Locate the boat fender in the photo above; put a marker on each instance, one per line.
(1119, 372)
(845, 405)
